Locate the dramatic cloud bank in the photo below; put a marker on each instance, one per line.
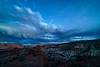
(26, 23)
(20, 22)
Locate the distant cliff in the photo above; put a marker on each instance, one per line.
(10, 46)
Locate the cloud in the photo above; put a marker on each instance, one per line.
(24, 22)
(49, 37)
(18, 8)
(77, 38)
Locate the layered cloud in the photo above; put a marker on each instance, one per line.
(24, 22)
(28, 26)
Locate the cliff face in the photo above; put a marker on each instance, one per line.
(10, 46)
(74, 54)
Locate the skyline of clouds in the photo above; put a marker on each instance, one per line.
(27, 22)
(22, 21)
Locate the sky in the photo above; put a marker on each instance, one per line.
(49, 21)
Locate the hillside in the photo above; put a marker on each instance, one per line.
(74, 54)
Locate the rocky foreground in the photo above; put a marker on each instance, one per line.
(74, 54)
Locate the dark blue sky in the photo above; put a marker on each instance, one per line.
(69, 14)
(50, 20)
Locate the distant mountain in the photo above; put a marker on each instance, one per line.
(96, 41)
